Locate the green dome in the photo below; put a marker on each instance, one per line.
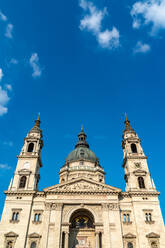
(82, 151)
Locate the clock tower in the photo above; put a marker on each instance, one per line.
(27, 173)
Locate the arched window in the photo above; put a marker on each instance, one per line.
(133, 148)
(154, 245)
(124, 218)
(39, 217)
(128, 218)
(31, 147)
(141, 182)
(17, 216)
(33, 245)
(9, 244)
(22, 182)
(148, 217)
(36, 217)
(13, 216)
(130, 245)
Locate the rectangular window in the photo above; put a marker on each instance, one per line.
(148, 216)
(126, 216)
(15, 215)
(37, 217)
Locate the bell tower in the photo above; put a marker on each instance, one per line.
(137, 175)
(27, 173)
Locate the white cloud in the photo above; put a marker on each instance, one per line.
(109, 39)
(3, 17)
(5, 167)
(4, 99)
(141, 48)
(149, 12)
(92, 22)
(1, 74)
(8, 87)
(34, 63)
(13, 61)
(9, 31)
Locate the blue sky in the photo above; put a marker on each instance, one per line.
(82, 62)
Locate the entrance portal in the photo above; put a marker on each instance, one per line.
(82, 230)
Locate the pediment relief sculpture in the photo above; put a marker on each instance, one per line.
(80, 185)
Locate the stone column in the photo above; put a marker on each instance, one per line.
(97, 239)
(66, 239)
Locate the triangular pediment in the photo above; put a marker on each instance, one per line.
(11, 234)
(152, 235)
(129, 236)
(82, 185)
(34, 235)
(140, 172)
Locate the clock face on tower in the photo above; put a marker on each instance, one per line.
(26, 165)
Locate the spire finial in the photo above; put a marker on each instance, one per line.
(82, 128)
(37, 122)
(126, 119)
(38, 118)
(127, 124)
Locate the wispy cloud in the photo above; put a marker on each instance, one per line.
(5, 167)
(8, 87)
(1, 74)
(149, 12)
(4, 99)
(141, 48)
(9, 31)
(3, 17)
(13, 61)
(92, 22)
(8, 143)
(34, 63)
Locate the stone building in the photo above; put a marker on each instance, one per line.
(82, 211)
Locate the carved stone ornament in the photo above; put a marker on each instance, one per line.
(110, 206)
(53, 206)
(83, 185)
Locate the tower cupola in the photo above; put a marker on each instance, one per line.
(135, 165)
(27, 172)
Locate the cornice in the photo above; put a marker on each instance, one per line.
(24, 193)
(137, 157)
(67, 192)
(146, 193)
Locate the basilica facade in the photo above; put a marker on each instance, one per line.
(82, 211)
